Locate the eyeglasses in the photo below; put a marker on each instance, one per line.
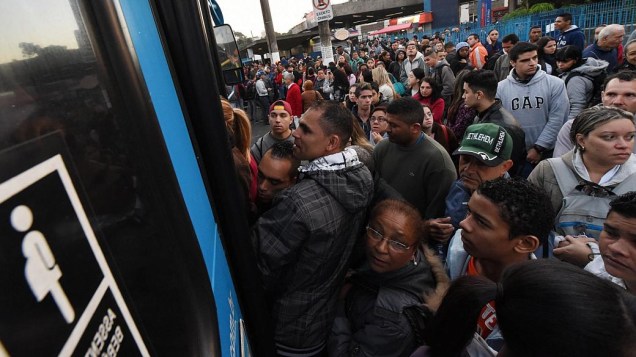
(394, 245)
(378, 119)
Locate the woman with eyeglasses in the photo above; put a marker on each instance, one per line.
(379, 125)
(398, 272)
(582, 182)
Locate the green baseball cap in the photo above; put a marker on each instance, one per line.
(490, 143)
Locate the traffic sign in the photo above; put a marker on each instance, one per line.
(322, 10)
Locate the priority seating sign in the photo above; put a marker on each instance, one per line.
(58, 295)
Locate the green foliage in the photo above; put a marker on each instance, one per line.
(517, 13)
(541, 7)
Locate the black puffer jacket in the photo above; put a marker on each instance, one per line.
(370, 320)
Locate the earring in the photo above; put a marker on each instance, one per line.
(582, 148)
(414, 261)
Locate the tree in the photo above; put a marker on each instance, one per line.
(29, 49)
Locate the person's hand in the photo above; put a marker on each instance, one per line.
(533, 156)
(574, 250)
(376, 137)
(439, 229)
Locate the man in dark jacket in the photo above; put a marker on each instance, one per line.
(568, 34)
(304, 241)
(480, 89)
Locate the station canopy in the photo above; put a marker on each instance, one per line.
(392, 28)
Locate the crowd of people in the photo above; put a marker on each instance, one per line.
(425, 198)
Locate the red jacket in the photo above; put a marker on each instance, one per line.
(437, 107)
(295, 100)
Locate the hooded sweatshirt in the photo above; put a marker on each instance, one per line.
(303, 245)
(447, 78)
(540, 105)
(572, 36)
(408, 65)
(580, 88)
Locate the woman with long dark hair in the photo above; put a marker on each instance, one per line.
(430, 94)
(547, 47)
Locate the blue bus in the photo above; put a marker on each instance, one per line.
(122, 231)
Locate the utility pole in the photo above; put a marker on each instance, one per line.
(269, 32)
(325, 42)
(512, 5)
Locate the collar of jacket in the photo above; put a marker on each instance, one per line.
(334, 162)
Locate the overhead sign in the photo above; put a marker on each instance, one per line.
(59, 296)
(322, 10)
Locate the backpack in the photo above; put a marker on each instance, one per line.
(492, 60)
(398, 86)
(584, 207)
(598, 86)
(438, 72)
(250, 90)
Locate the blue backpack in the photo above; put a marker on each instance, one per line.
(398, 86)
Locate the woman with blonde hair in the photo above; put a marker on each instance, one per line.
(381, 77)
(239, 133)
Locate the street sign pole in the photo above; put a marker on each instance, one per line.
(323, 13)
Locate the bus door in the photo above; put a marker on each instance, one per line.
(109, 239)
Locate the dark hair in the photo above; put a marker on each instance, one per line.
(566, 16)
(483, 80)
(448, 45)
(535, 27)
(335, 119)
(625, 205)
(541, 43)
(407, 109)
(374, 86)
(551, 308)
(519, 49)
(367, 75)
(512, 38)
(525, 207)
(435, 86)
(543, 308)
(347, 68)
(453, 325)
(284, 150)
(476, 36)
(625, 76)
(362, 86)
(430, 51)
(568, 53)
(418, 73)
(404, 208)
(310, 71)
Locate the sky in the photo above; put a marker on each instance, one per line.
(245, 15)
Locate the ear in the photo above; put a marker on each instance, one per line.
(416, 128)
(580, 140)
(333, 143)
(526, 244)
(512, 63)
(505, 166)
